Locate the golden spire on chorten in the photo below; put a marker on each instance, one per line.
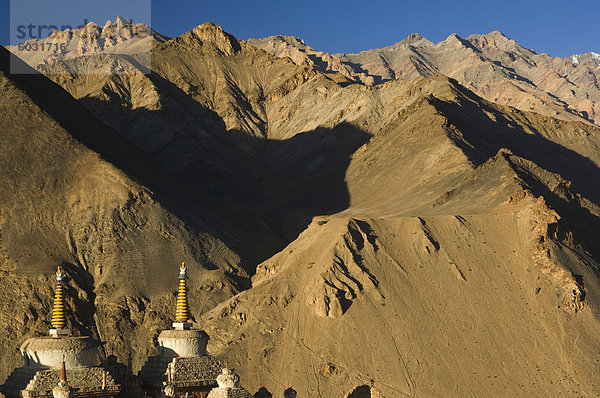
(182, 312)
(59, 321)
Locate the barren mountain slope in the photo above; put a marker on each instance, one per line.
(204, 114)
(492, 65)
(464, 265)
(204, 84)
(430, 306)
(118, 230)
(229, 78)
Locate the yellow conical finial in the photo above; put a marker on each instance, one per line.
(59, 321)
(182, 312)
(58, 311)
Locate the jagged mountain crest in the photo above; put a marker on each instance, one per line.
(120, 37)
(213, 35)
(493, 65)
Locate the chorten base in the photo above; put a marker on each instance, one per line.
(182, 343)
(182, 325)
(60, 332)
(51, 351)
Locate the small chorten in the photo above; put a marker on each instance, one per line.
(62, 390)
(59, 321)
(228, 386)
(182, 311)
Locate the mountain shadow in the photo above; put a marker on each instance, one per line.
(254, 194)
(481, 130)
(274, 186)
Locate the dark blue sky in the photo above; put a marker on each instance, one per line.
(559, 28)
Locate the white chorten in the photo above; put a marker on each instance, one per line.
(229, 386)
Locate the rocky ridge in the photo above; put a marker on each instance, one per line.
(493, 66)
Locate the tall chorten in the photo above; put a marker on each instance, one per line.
(182, 355)
(48, 357)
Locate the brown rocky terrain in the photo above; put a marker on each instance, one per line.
(406, 239)
(493, 66)
(455, 236)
